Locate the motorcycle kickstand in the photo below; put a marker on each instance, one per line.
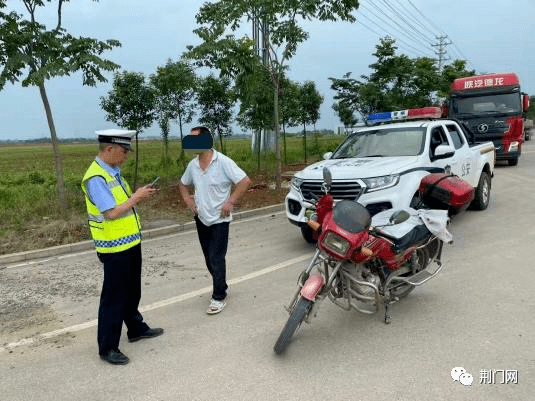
(388, 319)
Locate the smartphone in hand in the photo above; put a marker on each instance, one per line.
(153, 183)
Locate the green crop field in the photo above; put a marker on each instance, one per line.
(30, 215)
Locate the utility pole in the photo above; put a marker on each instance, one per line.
(442, 43)
(262, 140)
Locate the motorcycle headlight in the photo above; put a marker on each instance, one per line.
(336, 243)
(296, 182)
(378, 183)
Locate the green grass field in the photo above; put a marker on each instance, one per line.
(30, 215)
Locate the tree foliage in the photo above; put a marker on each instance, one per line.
(279, 19)
(345, 114)
(32, 54)
(175, 85)
(310, 101)
(131, 102)
(35, 54)
(396, 82)
(216, 101)
(256, 101)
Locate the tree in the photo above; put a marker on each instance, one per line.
(289, 108)
(396, 82)
(175, 85)
(28, 49)
(451, 72)
(280, 22)
(311, 101)
(130, 104)
(256, 103)
(345, 114)
(216, 101)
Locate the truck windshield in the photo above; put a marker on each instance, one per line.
(383, 142)
(507, 103)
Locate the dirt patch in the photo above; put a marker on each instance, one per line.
(31, 297)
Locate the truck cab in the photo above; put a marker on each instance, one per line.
(491, 108)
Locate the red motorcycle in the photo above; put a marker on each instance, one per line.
(363, 263)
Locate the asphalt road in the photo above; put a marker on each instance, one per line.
(476, 314)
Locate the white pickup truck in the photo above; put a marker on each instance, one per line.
(382, 166)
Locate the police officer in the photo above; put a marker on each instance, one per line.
(116, 231)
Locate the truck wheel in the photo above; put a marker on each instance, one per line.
(513, 162)
(308, 234)
(482, 198)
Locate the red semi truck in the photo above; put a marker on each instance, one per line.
(490, 107)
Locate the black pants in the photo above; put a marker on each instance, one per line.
(119, 300)
(214, 242)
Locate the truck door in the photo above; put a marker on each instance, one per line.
(466, 166)
(439, 137)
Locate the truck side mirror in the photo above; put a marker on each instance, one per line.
(444, 151)
(327, 156)
(525, 102)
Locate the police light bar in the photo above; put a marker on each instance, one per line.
(409, 114)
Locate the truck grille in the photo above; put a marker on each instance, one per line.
(339, 190)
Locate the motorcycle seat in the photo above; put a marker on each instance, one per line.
(417, 235)
(403, 235)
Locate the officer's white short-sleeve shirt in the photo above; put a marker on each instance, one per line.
(212, 186)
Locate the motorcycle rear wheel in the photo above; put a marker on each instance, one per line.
(405, 289)
(297, 316)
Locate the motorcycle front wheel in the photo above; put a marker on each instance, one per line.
(297, 316)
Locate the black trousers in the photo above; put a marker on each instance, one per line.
(214, 242)
(119, 300)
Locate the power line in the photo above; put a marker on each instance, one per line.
(441, 33)
(391, 35)
(390, 25)
(414, 17)
(407, 22)
(424, 17)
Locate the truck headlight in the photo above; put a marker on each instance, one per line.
(296, 182)
(378, 183)
(513, 147)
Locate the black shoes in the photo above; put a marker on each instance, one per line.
(147, 334)
(115, 357)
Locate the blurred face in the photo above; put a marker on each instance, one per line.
(197, 151)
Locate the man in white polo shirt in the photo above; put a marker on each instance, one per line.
(212, 174)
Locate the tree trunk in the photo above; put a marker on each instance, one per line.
(277, 138)
(284, 140)
(137, 162)
(181, 138)
(305, 140)
(221, 141)
(55, 147)
(258, 135)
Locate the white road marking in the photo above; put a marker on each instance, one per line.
(159, 304)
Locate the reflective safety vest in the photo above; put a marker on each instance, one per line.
(111, 235)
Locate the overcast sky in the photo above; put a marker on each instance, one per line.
(493, 35)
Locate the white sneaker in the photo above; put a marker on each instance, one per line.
(215, 307)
